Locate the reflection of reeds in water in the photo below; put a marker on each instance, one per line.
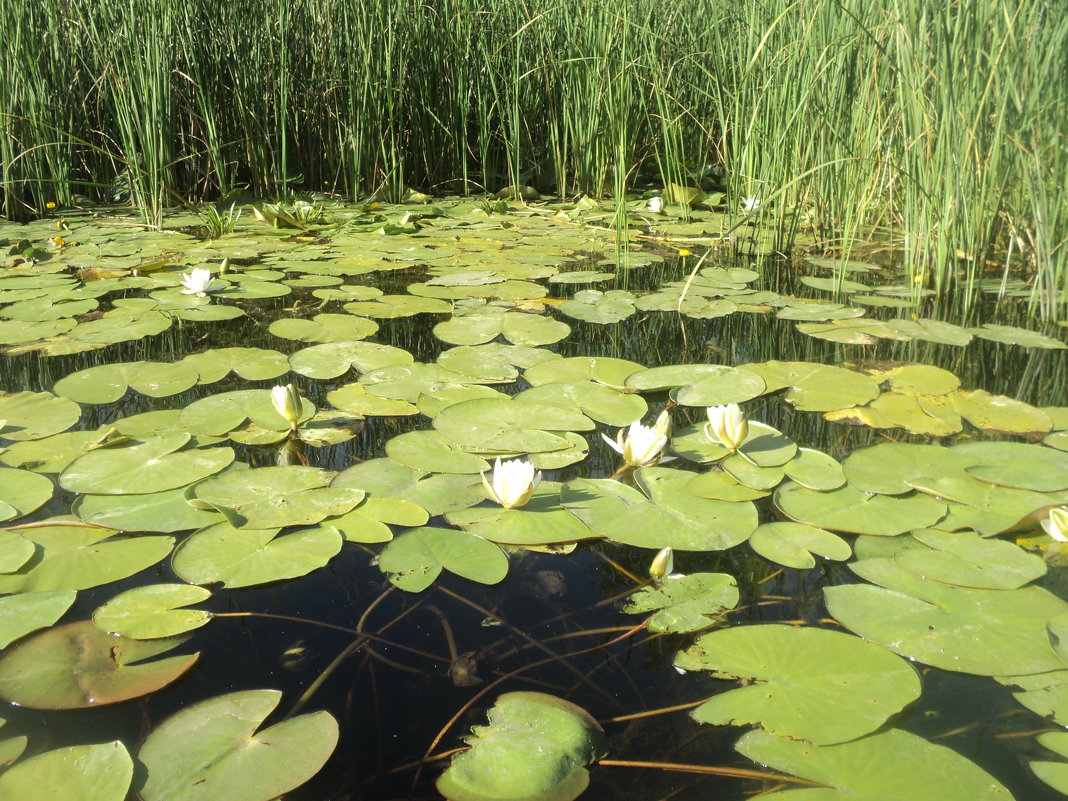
(937, 127)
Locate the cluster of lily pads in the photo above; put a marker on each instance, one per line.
(929, 528)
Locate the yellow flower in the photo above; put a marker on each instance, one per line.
(684, 252)
(727, 426)
(513, 482)
(1056, 525)
(51, 204)
(287, 403)
(641, 446)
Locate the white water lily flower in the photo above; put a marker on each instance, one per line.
(286, 402)
(513, 482)
(1056, 525)
(656, 204)
(197, 282)
(641, 446)
(663, 423)
(750, 204)
(727, 426)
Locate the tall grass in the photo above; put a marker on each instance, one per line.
(939, 127)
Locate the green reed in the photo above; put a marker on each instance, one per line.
(938, 128)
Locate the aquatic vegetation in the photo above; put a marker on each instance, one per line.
(164, 481)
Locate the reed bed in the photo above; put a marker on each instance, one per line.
(937, 127)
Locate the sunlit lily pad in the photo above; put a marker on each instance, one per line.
(355, 398)
(75, 773)
(368, 521)
(754, 476)
(35, 415)
(986, 632)
(390, 306)
(669, 515)
(255, 364)
(21, 492)
(888, 467)
(870, 769)
(814, 470)
(807, 683)
(937, 331)
(431, 452)
(999, 413)
(244, 557)
(850, 510)
(153, 611)
(721, 486)
(601, 308)
(1017, 464)
(968, 560)
(272, 497)
(436, 493)
(522, 329)
(685, 603)
(214, 750)
(792, 544)
(51, 454)
(1012, 335)
(542, 520)
(333, 359)
(989, 509)
(816, 387)
(535, 748)
(224, 412)
(324, 327)
(599, 402)
(408, 381)
(76, 558)
(414, 559)
(143, 466)
(509, 426)
(79, 665)
(107, 383)
(431, 403)
(929, 415)
(28, 611)
(922, 379)
(165, 511)
(603, 370)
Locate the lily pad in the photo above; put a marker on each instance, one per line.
(385, 478)
(597, 401)
(431, 452)
(213, 750)
(1012, 335)
(850, 510)
(107, 383)
(153, 611)
(604, 370)
(806, 683)
(1017, 464)
(333, 359)
(79, 665)
(870, 769)
(685, 603)
(244, 557)
(254, 364)
(21, 492)
(541, 521)
(999, 413)
(35, 415)
(413, 560)
(28, 611)
(367, 522)
(792, 544)
(509, 426)
(324, 327)
(967, 560)
(535, 748)
(521, 329)
(76, 773)
(816, 387)
(889, 467)
(937, 331)
(164, 512)
(815, 470)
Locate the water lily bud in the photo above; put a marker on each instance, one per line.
(663, 423)
(663, 564)
(513, 482)
(727, 425)
(286, 402)
(656, 204)
(1056, 525)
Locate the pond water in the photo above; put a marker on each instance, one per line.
(428, 340)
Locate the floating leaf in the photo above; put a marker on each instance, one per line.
(541, 521)
(792, 544)
(212, 750)
(535, 748)
(333, 359)
(965, 559)
(437, 494)
(806, 683)
(164, 512)
(603, 370)
(78, 665)
(816, 387)
(107, 383)
(922, 379)
(936, 331)
(367, 522)
(324, 328)
(152, 611)
(28, 611)
(685, 603)
(255, 364)
(1017, 464)
(244, 557)
(870, 769)
(21, 492)
(999, 413)
(1011, 335)
(814, 470)
(509, 426)
(76, 773)
(850, 510)
(597, 401)
(431, 452)
(35, 415)
(413, 560)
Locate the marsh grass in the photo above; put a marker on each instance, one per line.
(937, 127)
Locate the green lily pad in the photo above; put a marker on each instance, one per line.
(138, 467)
(482, 361)
(535, 748)
(152, 611)
(600, 308)
(414, 559)
(431, 452)
(1017, 464)
(929, 415)
(967, 560)
(870, 769)
(937, 331)
(986, 632)
(78, 665)
(858, 331)
(889, 467)
(509, 426)
(355, 398)
(603, 370)
(273, 497)
(223, 413)
(35, 415)
(521, 329)
(664, 514)
(752, 475)
(810, 684)
(324, 327)
(721, 486)
(121, 325)
(922, 379)
(792, 544)
(987, 508)
(76, 773)
(850, 510)
(731, 385)
(255, 364)
(541, 521)
(437, 494)
(107, 383)
(815, 470)
(21, 492)
(1011, 335)
(685, 603)
(15, 551)
(408, 381)
(816, 387)
(28, 611)
(431, 403)
(392, 306)
(213, 750)
(333, 359)
(76, 558)
(245, 557)
(164, 512)
(597, 401)
(999, 413)
(51, 454)
(368, 521)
